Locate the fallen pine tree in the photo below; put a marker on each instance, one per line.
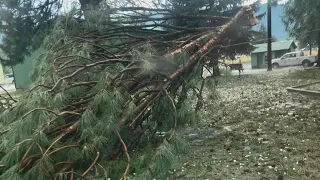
(102, 97)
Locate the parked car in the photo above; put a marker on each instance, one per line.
(294, 59)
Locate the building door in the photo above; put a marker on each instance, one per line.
(260, 61)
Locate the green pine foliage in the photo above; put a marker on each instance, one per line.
(107, 100)
(23, 25)
(34, 124)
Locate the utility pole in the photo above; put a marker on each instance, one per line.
(269, 56)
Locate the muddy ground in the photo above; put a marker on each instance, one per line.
(251, 128)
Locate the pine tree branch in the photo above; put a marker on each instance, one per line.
(175, 116)
(39, 109)
(40, 85)
(64, 162)
(141, 9)
(81, 84)
(22, 162)
(139, 19)
(104, 170)
(23, 165)
(3, 132)
(69, 67)
(135, 27)
(192, 46)
(118, 75)
(84, 68)
(65, 169)
(25, 140)
(8, 94)
(90, 167)
(63, 57)
(142, 109)
(51, 111)
(71, 129)
(125, 149)
(45, 126)
(72, 174)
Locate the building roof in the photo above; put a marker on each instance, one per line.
(276, 46)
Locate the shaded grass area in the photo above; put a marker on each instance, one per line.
(255, 129)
